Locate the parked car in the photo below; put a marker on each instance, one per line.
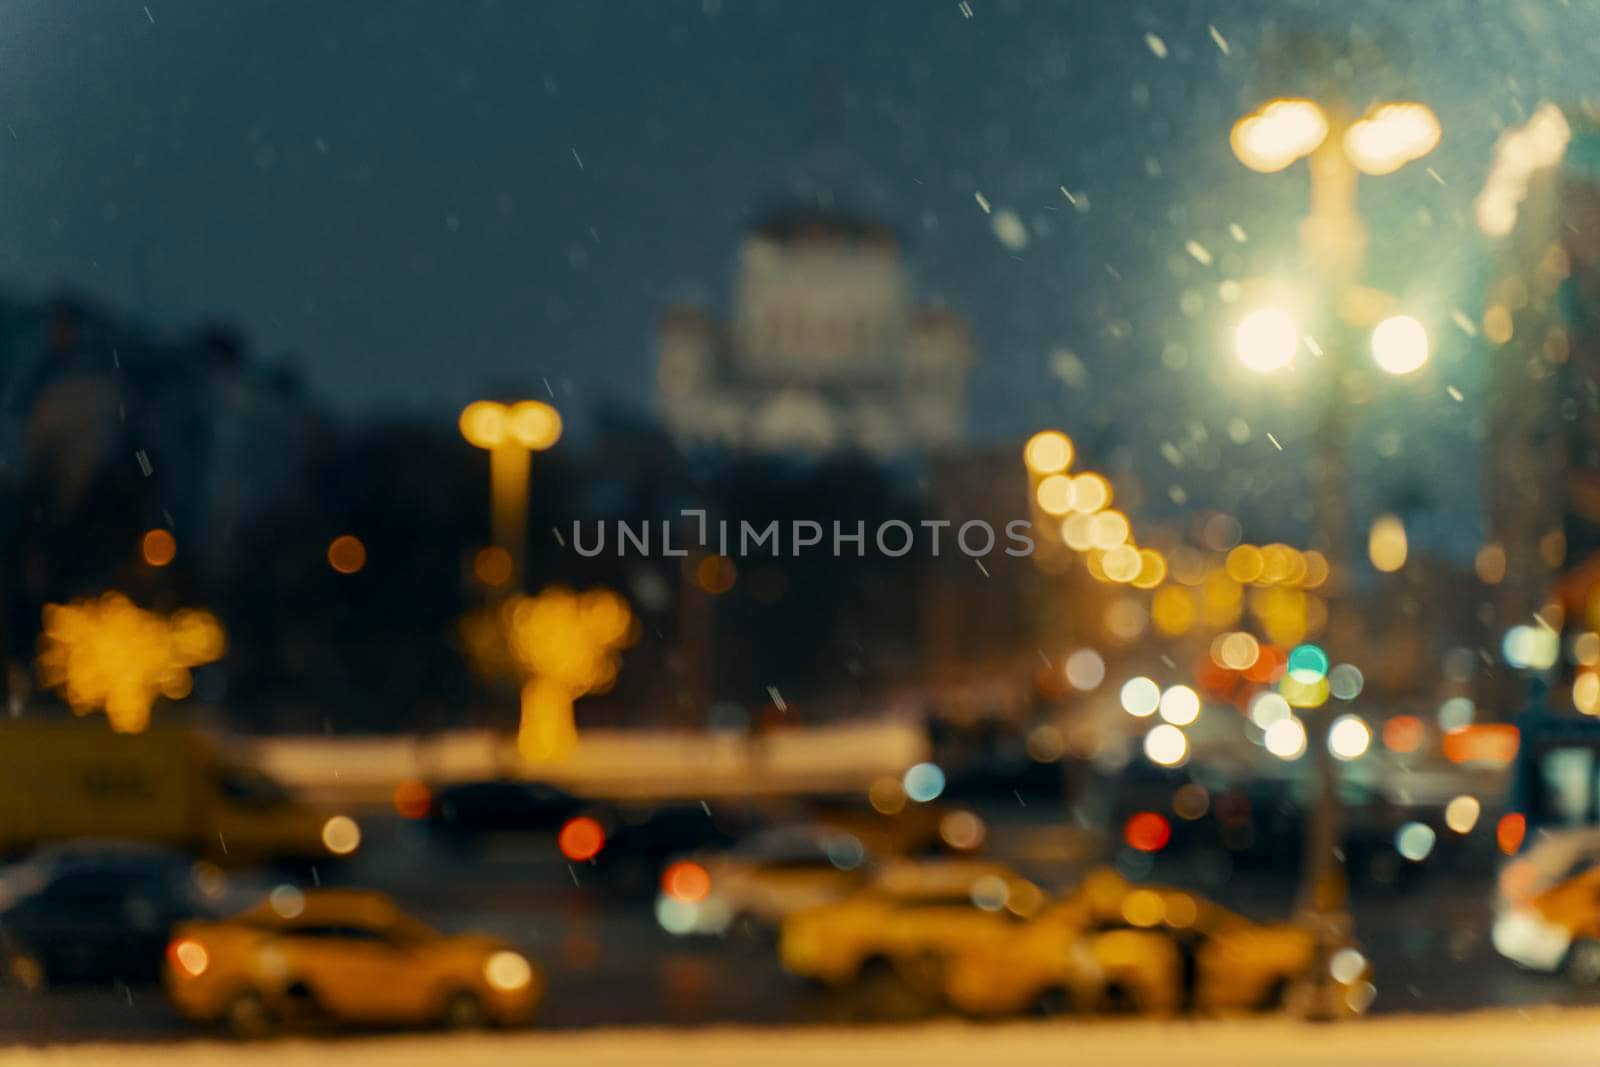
(61, 781)
(910, 912)
(756, 883)
(501, 805)
(343, 956)
(1151, 949)
(92, 912)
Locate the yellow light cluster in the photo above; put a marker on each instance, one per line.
(110, 655)
(1390, 136)
(1276, 564)
(1088, 523)
(1203, 590)
(1280, 132)
(530, 424)
(563, 645)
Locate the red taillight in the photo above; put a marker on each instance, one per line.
(686, 881)
(581, 839)
(412, 799)
(189, 956)
(1510, 831)
(1147, 832)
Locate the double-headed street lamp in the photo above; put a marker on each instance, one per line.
(1332, 234)
(1333, 242)
(510, 433)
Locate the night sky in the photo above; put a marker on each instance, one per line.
(421, 201)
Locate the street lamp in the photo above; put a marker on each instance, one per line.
(1266, 339)
(510, 433)
(1400, 345)
(1333, 243)
(1281, 132)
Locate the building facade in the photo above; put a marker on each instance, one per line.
(827, 350)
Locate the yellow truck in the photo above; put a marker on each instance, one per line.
(63, 779)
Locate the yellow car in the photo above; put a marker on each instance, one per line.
(346, 956)
(910, 918)
(1048, 966)
(1548, 918)
(1078, 953)
(1150, 949)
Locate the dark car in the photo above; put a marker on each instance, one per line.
(503, 805)
(92, 914)
(641, 838)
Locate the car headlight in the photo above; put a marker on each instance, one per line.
(507, 971)
(1525, 937)
(189, 956)
(341, 835)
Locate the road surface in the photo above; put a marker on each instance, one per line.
(610, 965)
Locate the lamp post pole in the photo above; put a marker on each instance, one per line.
(510, 434)
(1333, 240)
(1333, 244)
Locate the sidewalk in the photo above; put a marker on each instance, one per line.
(1551, 1038)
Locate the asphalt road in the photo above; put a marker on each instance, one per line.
(610, 964)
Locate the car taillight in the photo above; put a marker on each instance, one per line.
(581, 839)
(189, 956)
(686, 881)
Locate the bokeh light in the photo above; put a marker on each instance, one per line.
(1400, 345)
(1386, 543)
(923, 782)
(1266, 340)
(1140, 697)
(1047, 452)
(1414, 841)
(1461, 814)
(1286, 738)
(581, 839)
(1147, 831)
(1308, 664)
(1403, 734)
(1054, 495)
(1085, 669)
(1279, 133)
(1180, 705)
(158, 547)
(1349, 737)
(1166, 745)
(346, 554)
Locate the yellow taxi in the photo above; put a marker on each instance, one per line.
(1074, 955)
(346, 956)
(1549, 910)
(911, 916)
(1150, 949)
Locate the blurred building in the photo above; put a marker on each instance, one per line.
(827, 350)
(1541, 323)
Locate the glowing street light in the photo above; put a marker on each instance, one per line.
(510, 433)
(1400, 345)
(1048, 452)
(109, 654)
(1280, 132)
(1266, 340)
(1333, 243)
(1390, 136)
